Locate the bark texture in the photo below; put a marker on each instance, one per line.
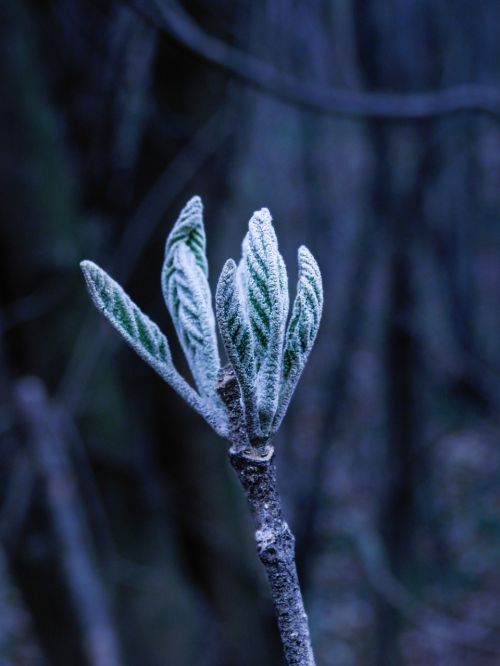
(276, 548)
(256, 471)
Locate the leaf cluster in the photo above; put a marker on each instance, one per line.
(266, 353)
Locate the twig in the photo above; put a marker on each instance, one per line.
(453, 630)
(256, 472)
(87, 482)
(85, 589)
(170, 17)
(17, 498)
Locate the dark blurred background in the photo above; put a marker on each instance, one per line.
(372, 132)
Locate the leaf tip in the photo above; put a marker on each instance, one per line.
(307, 262)
(192, 212)
(262, 216)
(190, 218)
(90, 272)
(194, 204)
(229, 266)
(87, 266)
(96, 280)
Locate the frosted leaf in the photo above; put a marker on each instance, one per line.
(264, 277)
(285, 299)
(144, 337)
(259, 273)
(236, 334)
(188, 298)
(302, 328)
(189, 230)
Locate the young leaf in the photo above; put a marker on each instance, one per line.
(237, 337)
(189, 230)
(143, 336)
(188, 298)
(302, 328)
(267, 302)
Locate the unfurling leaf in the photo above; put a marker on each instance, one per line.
(236, 334)
(143, 335)
(266, 288)
(188, 298)
(302, 328)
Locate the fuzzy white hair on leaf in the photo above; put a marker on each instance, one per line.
(187, 295)
(267, 302)
(144, 337)
(236, 333)
(252, 305)
(302, 328)
(189, 230)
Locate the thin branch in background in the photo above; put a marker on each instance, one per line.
(18, 642)
(88, 485)
(183, 167)
(349, 322)
(18, 493)
(170, 17)
(460, 632)
(33, 305)
(462, 363)
(90, 605)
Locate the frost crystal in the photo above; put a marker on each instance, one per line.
(252, 308)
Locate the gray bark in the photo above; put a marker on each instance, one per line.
(256, 470)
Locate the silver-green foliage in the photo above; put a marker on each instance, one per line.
(251, 307)
(145, 337)
(188, 298)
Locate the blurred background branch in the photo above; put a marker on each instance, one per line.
(171, 17)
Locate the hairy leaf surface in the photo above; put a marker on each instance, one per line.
(264, 277)
(302, 327)
(188, 298)
(236, 334)
(144, 336)
(189, 230)
(252, 306)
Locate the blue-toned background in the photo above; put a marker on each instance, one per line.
(372, 132)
